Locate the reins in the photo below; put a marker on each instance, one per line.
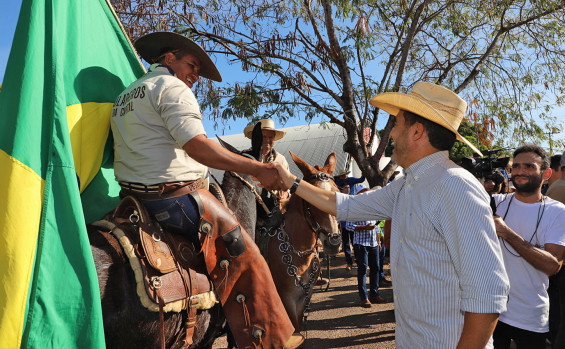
(312, 223)
(248, 185)
(253, 190)
(286, 248)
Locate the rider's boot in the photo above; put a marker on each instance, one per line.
(243, 282)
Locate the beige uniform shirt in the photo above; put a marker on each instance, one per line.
(557, 190)
(151, 121)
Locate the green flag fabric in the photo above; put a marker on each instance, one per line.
(69, 61)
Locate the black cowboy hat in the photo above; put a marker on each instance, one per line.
(151, 46)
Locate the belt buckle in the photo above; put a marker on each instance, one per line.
(193, 301)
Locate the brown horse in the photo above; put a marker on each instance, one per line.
(293, 247)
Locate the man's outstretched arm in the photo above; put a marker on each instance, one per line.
(322, 199)
(211, 154)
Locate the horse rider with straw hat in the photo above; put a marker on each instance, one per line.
(270, 135)
(161, 157)
(449, 280)
(272, 198)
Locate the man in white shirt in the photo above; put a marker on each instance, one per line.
(446, 265)
(270, 135)
(532, 231)
(269, 154)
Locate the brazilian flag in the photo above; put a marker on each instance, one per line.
(69, 61)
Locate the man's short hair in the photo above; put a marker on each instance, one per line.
(175, 51)
(555, 162)
(532, 148)
(439, 137)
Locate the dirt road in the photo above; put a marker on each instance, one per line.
(337, 320)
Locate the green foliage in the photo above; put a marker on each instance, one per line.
(389, 146)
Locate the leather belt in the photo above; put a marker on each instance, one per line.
(160, 191)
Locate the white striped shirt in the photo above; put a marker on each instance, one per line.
(445, 255)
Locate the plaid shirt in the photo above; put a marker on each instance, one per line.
(368, 238)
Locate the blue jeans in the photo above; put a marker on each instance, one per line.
(347, 239)
(178, 215)
(382, 254)
(367, 255)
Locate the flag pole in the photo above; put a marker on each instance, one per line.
(125, 34)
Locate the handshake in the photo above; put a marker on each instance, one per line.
(274, 176)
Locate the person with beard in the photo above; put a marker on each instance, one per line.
(446, 262)
(532, 236)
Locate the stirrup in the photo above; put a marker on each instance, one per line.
(294, 341)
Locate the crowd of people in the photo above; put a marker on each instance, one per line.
(462, 277)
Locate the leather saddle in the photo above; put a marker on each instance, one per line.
(170, 274)
(171, 269)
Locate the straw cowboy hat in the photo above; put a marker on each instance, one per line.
(152, 46)
(430, 101)
(266, 124)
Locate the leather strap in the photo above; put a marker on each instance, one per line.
(161, 318)
(165, 191)
(191, 308)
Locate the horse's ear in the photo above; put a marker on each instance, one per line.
(228, 146)
(306, 169)
(330, 164)
(256, 141)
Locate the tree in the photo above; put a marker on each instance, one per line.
(328, 57)
(460, 150)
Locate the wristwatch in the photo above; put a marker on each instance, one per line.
(295, 185)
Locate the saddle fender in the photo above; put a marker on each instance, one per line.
(242, 278)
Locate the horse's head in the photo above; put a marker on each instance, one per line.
(238, 188)
(256, 142)
(324, 224)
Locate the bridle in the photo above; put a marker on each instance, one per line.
(287, 249)
(333, 238)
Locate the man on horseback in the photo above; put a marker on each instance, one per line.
(270, 135)
(272, 199)
(161, 157)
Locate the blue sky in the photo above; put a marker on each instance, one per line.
(8, 20)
